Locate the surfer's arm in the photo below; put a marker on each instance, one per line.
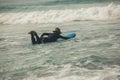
(44, 34)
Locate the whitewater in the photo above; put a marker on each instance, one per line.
(109, 12)
(94, 54)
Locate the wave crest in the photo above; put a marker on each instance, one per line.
(110, 12)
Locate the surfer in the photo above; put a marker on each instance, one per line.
(46, 37)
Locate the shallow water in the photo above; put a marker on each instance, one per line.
(92, 55)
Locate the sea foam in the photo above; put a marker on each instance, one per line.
(109, 12)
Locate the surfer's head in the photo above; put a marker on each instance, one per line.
(57, 30)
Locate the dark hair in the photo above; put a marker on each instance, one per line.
(57, 30)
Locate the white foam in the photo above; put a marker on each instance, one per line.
(105, 74)
(109, 12)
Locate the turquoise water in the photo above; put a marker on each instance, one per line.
(93, 55)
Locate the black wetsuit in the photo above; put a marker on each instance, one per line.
(50, 37)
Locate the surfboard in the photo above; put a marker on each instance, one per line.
(69, 36)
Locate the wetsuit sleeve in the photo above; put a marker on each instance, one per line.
(45, 34)
(64, 37)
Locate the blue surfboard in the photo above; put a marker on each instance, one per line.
(70, 35)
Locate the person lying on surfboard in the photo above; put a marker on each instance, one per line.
(46, 37)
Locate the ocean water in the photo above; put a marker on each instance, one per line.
(94, 54)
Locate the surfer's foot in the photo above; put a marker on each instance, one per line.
(31, 32)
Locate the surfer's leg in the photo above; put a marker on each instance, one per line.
(37, 37)
(33, 39)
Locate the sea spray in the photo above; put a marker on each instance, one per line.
(109, 12)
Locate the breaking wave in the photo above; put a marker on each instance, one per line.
(109, 12)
